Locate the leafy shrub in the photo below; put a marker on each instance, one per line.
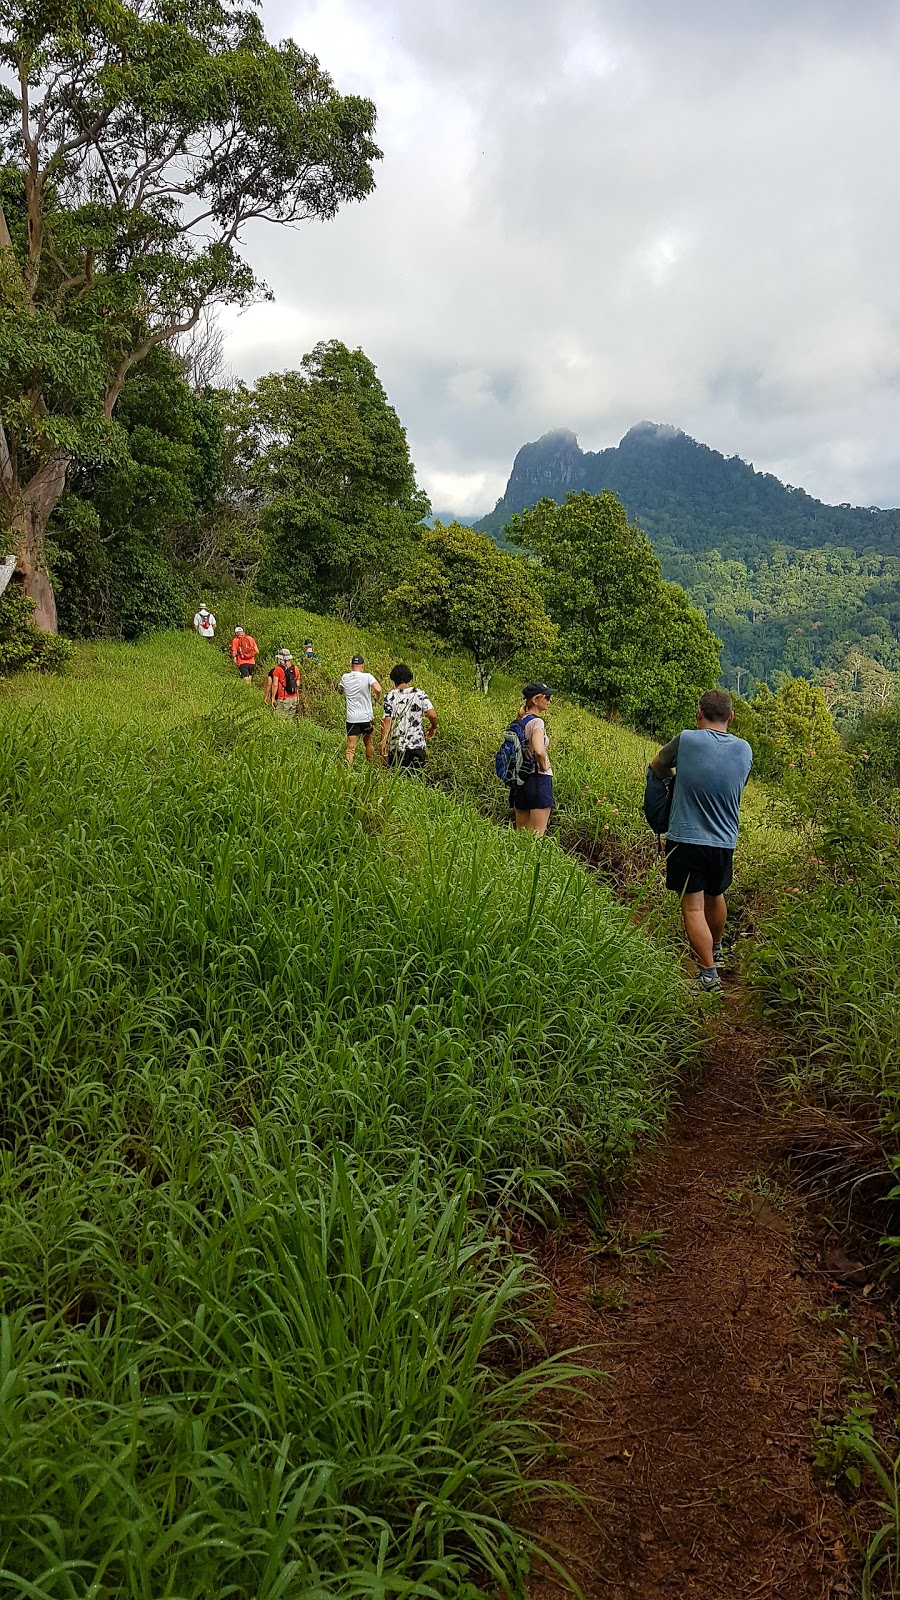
(876, 744)
(787, 730)
(22, 647)
(146, 593)
(826, 962)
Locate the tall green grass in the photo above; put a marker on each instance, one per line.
(278, 1041)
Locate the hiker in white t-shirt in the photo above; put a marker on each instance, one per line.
(359, 689)
(205, 623)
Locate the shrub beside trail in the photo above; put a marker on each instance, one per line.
(279, 1041)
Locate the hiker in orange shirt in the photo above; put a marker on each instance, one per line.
(243, 653)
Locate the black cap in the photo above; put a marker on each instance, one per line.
(532, 689)
(358, 661)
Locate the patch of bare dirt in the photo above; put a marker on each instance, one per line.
(696, 1460)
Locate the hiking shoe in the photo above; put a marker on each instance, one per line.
(710, 983)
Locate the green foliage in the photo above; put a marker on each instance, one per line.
(825, 964)
(824, 613)
(22, 647)
(146, 593)
(271, 1052)
(790, 732)
(629, 643)
(876, 745)
(115, 533)
(330, 470)
(466, 591)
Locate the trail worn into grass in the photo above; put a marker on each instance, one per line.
(696, 1457)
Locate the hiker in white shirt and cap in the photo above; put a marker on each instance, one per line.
(205, 623)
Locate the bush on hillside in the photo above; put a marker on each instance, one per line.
(476, 597)
(630, 644)
(876, 745)
(789, 731)
(22, 647)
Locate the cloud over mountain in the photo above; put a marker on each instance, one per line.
(590, 211)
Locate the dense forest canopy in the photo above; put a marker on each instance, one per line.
(138, 143)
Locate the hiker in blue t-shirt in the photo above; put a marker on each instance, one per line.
(711, 767)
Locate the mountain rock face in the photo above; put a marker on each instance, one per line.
(685, 494)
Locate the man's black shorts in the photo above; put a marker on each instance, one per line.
(245, 668)
(408, 760)
(358, 730)
(698, 868)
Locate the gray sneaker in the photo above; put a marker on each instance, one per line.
(710, 982)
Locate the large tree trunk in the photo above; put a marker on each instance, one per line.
(28, 527)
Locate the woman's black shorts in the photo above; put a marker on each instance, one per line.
(535, 794)
(698, 868)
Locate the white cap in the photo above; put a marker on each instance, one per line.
(238, 629)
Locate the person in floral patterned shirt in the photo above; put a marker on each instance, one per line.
(408, 722)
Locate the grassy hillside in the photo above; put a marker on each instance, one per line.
(279, 1042)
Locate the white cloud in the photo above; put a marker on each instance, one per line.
(591, 212)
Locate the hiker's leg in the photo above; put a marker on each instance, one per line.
(539, 820)
(523, 821)
(369, 746)
(350, 751)
(697, 928)
(715, 911)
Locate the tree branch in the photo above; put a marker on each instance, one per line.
(160, 336)
(32, 192)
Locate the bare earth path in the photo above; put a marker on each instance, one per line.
(696, 1457)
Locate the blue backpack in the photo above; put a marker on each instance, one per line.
(513, 761)
(658, 796)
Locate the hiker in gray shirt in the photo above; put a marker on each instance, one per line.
(711, 767)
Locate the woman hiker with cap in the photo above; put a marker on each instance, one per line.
(533, 799)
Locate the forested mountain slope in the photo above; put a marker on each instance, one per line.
(788, 583)
(683, 491)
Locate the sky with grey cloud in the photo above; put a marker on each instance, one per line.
(591, 212)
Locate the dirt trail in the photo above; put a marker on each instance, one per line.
(696, 1458)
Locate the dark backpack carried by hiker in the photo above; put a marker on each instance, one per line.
(514, 761)
(290, 680)
(658, 796)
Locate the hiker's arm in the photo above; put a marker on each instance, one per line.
(666, 760)
(270, 690)
(375, 688)
(432, 723)
(385, 732)
(539, 745)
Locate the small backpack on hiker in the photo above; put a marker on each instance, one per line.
(291, 680)
(514, 761)
(658, 796)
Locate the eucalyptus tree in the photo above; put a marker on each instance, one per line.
(138, 138)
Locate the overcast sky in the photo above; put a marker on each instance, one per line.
(592, 212)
